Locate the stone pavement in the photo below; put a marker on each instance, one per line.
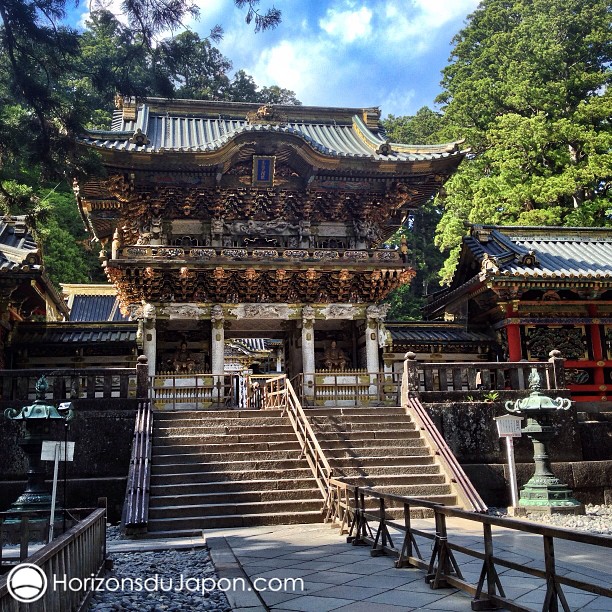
(338, 576)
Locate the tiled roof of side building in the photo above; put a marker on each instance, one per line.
(95, 308)
(75, 333)
(205, 127)
(434, 332)
(544, 252)
(17, 245)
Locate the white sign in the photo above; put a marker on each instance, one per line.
(66, 453)
(508, 426)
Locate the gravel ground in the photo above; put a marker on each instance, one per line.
(598, 519)
(164, 569)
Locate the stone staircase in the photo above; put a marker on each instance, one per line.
(380, 447)
(233, 468)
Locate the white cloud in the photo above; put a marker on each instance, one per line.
(417, 23)
(398, 102)
(439, 12)
(306, 67)
(348, 25)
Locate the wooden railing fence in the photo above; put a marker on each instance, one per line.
(363, 513)
(348, 388)
(267, 392)
(77, 383)
(135, 514)
(80, 553)
(460, 378)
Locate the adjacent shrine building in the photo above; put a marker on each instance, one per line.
(537, 289)
(230, 221)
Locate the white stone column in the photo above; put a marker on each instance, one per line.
(149, 337)
(371, 338)
(217, 351)
(279, 359)
(308, 349)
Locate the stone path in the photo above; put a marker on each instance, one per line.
(338, 576)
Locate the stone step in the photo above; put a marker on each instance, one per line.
(208, 450)
(272, 436)
(165, 464)
(354, 411)
(225, 521)
(357, 418)
(256, 417)
(163, 433)
(424, 459)
(184, 491)
(396, 512)
(199, 477)
(236, 447)
(230, 507)
(165, 415)
(398, 479)
(383, 470)
(189, 469)
(245, 455)
(356, 441)
(359, 452)
(427, 492)
(328, 431)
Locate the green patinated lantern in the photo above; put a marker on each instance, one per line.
(544, 492)
(37, 418)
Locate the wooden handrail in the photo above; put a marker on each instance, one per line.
(442, 568)
(467, 492)
(135, 514)
(311, 448)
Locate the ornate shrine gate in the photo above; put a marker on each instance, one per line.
(225, 220)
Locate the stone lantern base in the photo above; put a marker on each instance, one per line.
(549, 496)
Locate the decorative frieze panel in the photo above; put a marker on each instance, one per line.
(145, 207)
(251, 286)
(570, 340)
(350, 256)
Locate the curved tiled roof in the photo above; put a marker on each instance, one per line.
(197, 129)
(545, 252)
(16, 244)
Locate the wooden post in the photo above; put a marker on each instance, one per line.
(558, 363)
(142, 377)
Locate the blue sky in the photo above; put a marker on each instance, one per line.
(386, 53)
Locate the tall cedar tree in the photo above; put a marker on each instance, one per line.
(406, 301)
(528, 86)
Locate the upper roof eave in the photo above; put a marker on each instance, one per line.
(160, 126)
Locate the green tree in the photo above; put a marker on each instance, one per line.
(244, 89)
(54, 82)
(421, 128)
(69, 255)
(406, 301)
(196, 68)
(528, 87)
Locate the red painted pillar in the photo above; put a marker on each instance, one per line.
(596, 346)
(513, 331)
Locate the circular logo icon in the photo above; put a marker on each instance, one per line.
(26, 583)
